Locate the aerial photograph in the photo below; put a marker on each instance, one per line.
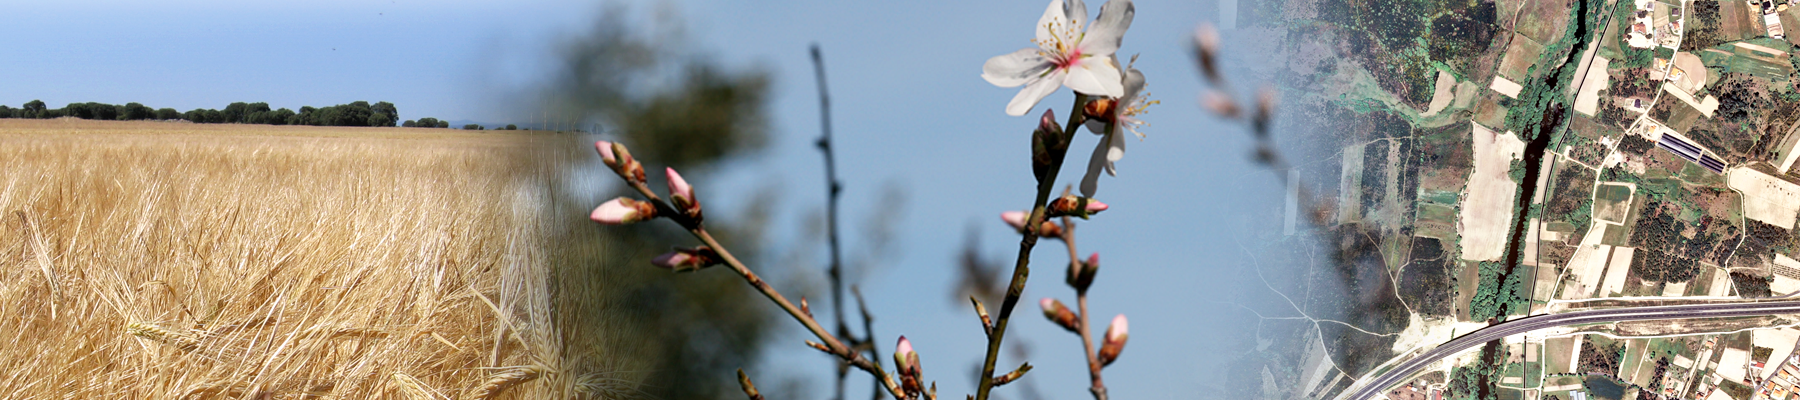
(705, 199)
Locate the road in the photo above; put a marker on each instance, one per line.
(1370, 387)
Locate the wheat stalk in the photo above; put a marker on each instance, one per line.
(178, 340)
(413, 388)
(498, 383)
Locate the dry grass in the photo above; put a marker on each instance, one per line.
(147, 260)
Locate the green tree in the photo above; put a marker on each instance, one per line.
(443, 124)
(385, 114)
(235, 112)
(473, 127)
(135, 112)
(34, 107)
(408, 124)
(167, 114)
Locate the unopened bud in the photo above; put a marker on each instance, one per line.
(804, 308)
(1206, 51)
(1265, 110)
(1081, 274)
(1073, 206)
(682, 195)
(1116, 334)
(1047, 145)
(618, 158)
(749, 388)
(1101, 109)
(906, 362)
(1220, 104)
(1059, 314)
(606, 153)
(987, 323)
(687, 260)
(1016, 219)
(622, 211)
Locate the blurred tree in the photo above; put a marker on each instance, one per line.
(512, 127)
(408, 124)
(135, 112)
(443, 124)
(688, 331)
(473, 127)
(167, 114)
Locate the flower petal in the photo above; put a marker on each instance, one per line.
(1096, 76)
(1015, 68)
(1103, 38)
(1133, 83)
(1076, 12)
(1053, 16)
(1091, 182)
(1115, 149)
(1034, 91)
(1095, 126)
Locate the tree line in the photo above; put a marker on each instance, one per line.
(358, 113)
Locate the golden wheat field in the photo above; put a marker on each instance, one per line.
(153, 260)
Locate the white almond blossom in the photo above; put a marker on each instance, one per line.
(1125, 110)
(1066, 55)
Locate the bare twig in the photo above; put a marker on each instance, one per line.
(831, 344)
(868, 332)
(1097, 386)
(1022, 269)
(833, 188)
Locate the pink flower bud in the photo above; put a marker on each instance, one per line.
(1219, 104)
(1016, 219)
(1081, 274)
(687, 260)
(1073, 206)
(1059, 314)
(1206, 50)
(682, 195)
(606, 153)
(678, 186)
(672, 259)
(1047, 145)
(622, 211)
(1116, 334)
(906, 364)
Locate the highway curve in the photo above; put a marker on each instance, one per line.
(1372, 386)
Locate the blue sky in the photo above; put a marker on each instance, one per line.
(910, 109)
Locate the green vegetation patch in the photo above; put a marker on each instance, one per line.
(1495, 299)
(1569, 200)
